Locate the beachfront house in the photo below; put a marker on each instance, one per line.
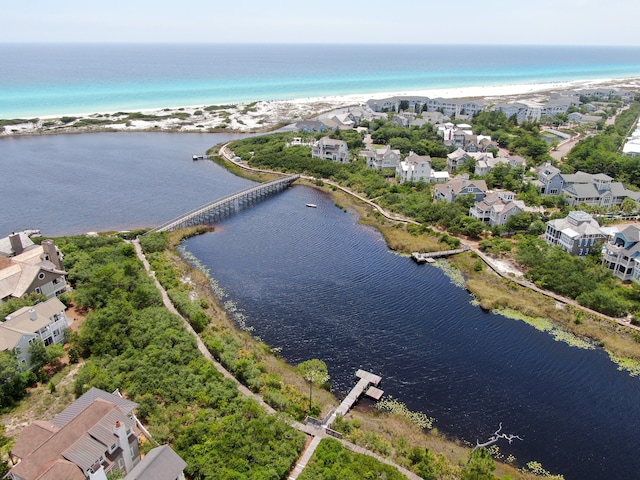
(45, 321)
(93, 437)
(524, 111)
(576, 234)
(331, 149)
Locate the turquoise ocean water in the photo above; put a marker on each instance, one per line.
(57, 79)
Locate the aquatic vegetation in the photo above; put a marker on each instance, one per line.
(545, 325)
(230, 306)
(454, 274)
(631, 365)
(391, 405)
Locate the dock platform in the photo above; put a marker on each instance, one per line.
(428, 257)
(366, 385)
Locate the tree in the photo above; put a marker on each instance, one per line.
(12, 381)
(40, 355)
(628, 205)
(314, 371)
(480, 466)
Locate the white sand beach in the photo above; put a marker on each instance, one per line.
(266, 115)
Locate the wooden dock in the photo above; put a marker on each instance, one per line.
(428, 257)
(366, 385)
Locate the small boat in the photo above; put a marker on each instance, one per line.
(198, 157)
(312, 205)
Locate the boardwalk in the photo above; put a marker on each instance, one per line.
(316, 432)
(228, 205)
(364, 386)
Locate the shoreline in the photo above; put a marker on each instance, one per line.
(262, 116)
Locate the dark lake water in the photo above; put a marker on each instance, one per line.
(317, 284)
(71, 184)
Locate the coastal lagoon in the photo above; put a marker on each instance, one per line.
(317, 284)
(313, 281)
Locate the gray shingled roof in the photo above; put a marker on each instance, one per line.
(161, 463)
(69, 413)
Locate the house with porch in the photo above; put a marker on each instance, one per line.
(576, 234)
(46, 321)
(417, 168)
(497, 207)
(549, 179)
(622, 254)
(414, 168)
(487, 162)
(384, 158)
(331, 149)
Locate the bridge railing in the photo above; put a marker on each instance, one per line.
(203, 208)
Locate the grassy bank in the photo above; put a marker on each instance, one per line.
(391, 435)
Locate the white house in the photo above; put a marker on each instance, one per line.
(414, 168)
(331, 149)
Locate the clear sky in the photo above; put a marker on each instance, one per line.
(543, 22)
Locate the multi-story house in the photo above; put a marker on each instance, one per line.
(549, 179)
(487, 162)
(456, 159)
(381, 158)
(576, 234)
(460, 185)
(414, 168)
(331, 149)
(497, 207)
(45, 321)
(31, 269)
(622, 254)
(94, 436)
(597, 190)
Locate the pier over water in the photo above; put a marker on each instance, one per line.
(228, 205)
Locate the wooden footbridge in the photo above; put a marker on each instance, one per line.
(429, 256)
(228, 205)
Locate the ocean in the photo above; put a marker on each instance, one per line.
(63, 79)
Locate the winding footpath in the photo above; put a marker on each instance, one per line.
(494, 266)
(316, 433)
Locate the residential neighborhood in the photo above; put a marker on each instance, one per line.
(479, 172)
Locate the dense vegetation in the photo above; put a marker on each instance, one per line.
(522, 139)
(602, 153)
(132, 343)
(332, 461)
